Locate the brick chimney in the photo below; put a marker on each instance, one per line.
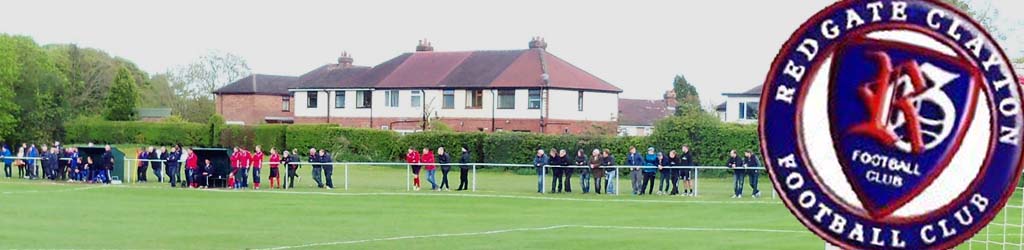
(424, 45)
(538, 43)
(345, 60)
(670, 98)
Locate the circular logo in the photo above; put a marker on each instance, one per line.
(892, 124)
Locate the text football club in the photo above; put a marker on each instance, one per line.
(892, 124)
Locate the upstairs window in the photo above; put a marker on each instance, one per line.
(534, 102)
(391, 98)
(449, 99)
(474, 99)
(506, 99)
(748, 110)
(311, 101)
(417, 98)
(339, 99)
(364, 99)
(579, 101)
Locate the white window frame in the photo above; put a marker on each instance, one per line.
(502, 98)
(339, 99)
(391, 98)
(312, 99)
(530, 99)
(416, 98)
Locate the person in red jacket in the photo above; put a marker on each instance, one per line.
(413, 158)
(256, 161)
(192, 169)
(236, 165)
(275, 173)
(427, 158)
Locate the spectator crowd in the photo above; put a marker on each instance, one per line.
(651, 173)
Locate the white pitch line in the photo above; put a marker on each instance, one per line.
(396, 238)
(503, 196)
(53, 191)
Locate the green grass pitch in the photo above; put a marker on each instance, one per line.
(378, 213)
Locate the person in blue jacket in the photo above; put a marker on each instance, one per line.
(736, 164)
(539, 162)
(105, 165)
(636, 162)
(6, 154)
(172, 164)
(652, 162)
(33, 153)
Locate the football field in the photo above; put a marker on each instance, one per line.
(378, 213)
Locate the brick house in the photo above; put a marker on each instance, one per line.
(637, 116)
(508, 90)
(257, 99)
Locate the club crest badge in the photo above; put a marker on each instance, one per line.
(892, 125)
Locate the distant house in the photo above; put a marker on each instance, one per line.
(153, 114)
(528, 90)
(257, 99)
(740, 107)
(637, 117)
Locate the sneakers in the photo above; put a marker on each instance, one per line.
(757, 195)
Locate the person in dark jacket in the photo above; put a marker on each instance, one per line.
(205, 173)
(611, 173)
(140, 171)
(636, 162)
(172, 166)
(539, 162)
(44, 161)
(671, 162)
(581, 161)
(443, 159)
(752, 163)
(328, 168)
(555, 163)
(289, 161)
(106, 164)
(686, 160)
(563, 160)
(157, 157)
(464, 170)
(317, 168)
(736, 164)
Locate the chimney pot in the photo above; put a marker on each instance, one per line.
(345, 60)
(538, 43)
(424, 45)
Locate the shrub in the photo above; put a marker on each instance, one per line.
(118, 132)
(270, 136)
(347, 144)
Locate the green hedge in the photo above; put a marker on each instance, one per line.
(451, 141)
(709, 139)
(111, 132)
(348, 144)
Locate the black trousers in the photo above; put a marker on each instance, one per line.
(291, 177)
(463, 178)
(568, 179)
(444, 177)
(7, 170)
(140, 174)
(597, 184)
(556, 180)
(674, 174)
(328, 172)
(648, 183)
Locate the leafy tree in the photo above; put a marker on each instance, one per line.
(40, 91)
(9, 74)
(687, 98)
(194, 84)
(123, 98)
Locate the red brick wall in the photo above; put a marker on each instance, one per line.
(468, 125)
(251, 109)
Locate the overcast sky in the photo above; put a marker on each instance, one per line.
(720, 46)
